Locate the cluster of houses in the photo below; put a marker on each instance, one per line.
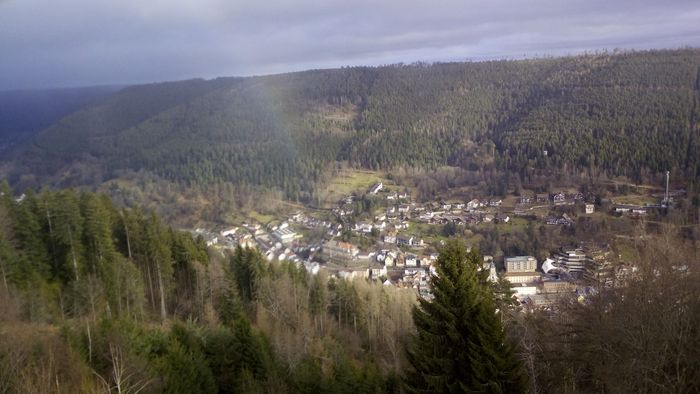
(392, 225)
(558, 198)
(390, 264)
(275, 242)
(569, 270)
(332, 229)
(381, 223)
(396, 217)
(408, 270)
(391, 258)
(398, 260)
(391, 195)
(532, 286)
(416, 279)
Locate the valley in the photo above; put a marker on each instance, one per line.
(316, 231)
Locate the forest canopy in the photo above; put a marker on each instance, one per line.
(629, 113)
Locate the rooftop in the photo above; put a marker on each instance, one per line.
(519, 258)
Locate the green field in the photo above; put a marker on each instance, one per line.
(347, 182)
(253, 216)
(635, 199)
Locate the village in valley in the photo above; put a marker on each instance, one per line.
(383, 234)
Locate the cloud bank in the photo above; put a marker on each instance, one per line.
(86, 42)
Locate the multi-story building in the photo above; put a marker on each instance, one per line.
(521, 264)
(521, 272)
(574, 260)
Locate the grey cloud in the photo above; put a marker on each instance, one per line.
(83, 42)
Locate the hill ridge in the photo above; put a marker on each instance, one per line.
(627, 113)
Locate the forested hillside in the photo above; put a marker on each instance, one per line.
(26, 112)
(99, 299)
(631, 114)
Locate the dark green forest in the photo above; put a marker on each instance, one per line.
(632, 114)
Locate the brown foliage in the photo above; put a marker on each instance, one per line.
(35, 359)
(641, 336)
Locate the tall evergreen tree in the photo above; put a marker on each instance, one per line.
(248, 267)
(460, 345)
(159, 255)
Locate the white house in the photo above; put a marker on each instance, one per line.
(376, 188)
(363, 228)
(230, 231)
(377, 272)
(389, 261)
(411, 260)
(473, 204)
(559, 198)
(406, 240)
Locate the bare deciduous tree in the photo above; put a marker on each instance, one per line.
(123, 379)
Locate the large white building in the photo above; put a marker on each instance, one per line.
(521, 264)
(521, 272)
(519, 278)
(524, 290)
(284, 235)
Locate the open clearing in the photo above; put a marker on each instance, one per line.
(347, 182)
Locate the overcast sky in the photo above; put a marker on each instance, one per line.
(58, 43)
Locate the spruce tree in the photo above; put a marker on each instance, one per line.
(248, 267)
(460, 344)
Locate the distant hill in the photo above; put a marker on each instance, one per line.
(632, 113)
(25, 112)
